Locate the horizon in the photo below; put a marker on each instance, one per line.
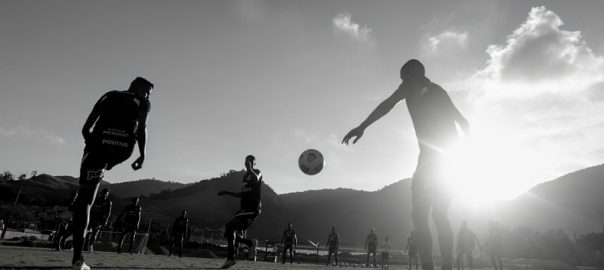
(275, 78)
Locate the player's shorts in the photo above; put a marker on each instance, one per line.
(289, 246)
(241, 221)
(371, 249)
(333, 249)
(412, 253)
(98, 156)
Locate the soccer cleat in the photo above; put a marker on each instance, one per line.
(228, 264)
(80, 265)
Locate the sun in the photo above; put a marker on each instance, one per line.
(487, 167)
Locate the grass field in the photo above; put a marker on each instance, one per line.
(44, 258)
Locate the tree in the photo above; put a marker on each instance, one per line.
(34, 173)
(22, 177)
(7, 176)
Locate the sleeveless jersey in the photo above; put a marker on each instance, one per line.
(251, 192)
(100, 209)
(332, 240)
(180, 225)
(372, 241)
(133, 214)
(288, 236)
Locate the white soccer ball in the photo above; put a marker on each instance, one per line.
(311, 162)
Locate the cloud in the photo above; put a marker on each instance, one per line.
(541, 92)
(447, 41)
(26, 132)
(540, 51)
(344, 23)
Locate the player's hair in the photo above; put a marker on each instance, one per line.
(140, 81)
(250, 158)
(413, 68)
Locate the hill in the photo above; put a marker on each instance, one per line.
(143, 187)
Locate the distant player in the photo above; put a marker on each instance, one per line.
(289, 241)
(371, 244)
(117, 122)
(333, 241)
(99, 215)
(386, 253)
(63, 231)
(411, 250)
(434, 118)
(466, 242)
(179, 233)
(493, 245)
(250, 208)
(132, 220)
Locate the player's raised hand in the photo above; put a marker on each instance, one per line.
(356, 133)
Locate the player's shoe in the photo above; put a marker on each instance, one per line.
(228, 264)
(80, 265)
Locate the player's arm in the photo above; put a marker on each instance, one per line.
(141, 136)
(92, 117)
(107, 213)
(295, 240)
(382, 109)
(140, 210)
(457, 116)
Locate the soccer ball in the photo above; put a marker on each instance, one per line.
(311, 162)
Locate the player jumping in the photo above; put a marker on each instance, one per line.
(117, 122)
(250, 208)
(434, 117)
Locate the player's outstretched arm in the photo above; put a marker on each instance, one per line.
(141, 138)
(382, 109)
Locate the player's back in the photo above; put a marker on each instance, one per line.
(119, 110)
(251, 192)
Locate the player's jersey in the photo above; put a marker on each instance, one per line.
(101, 209)
(432, 113)
(332, 240)
(132, 213)
(288, 237)
(372, 241)
(251, 192)
(180, 225)
(466, 240)
(386, 247)
(117, 122)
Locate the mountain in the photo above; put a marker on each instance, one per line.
(42, 189)
(573, 202)
(143, 187)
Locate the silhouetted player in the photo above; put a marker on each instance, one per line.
(493, 245)
(411, 250)
(118, 121)
(289, 240)
(333, 241)
(466, 242)
(250, 208)
(99, 215)
(386, 253)
(132, 219)
(179, 233)
(371, 244)
(434, 116)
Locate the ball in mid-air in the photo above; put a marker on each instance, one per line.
(311, 162)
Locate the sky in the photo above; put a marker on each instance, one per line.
(274, 78)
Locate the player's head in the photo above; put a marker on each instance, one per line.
(141, 87)
(386, 238)
(290, 225)
(333, 229)
(372, 230)
(104, 193)
(413, 70)
(135, 201)
(250, 160)
(184, 213)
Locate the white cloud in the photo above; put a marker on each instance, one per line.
(542, 92)
(26, 132)
(447, 41)
(540, 51)
(343, 22)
